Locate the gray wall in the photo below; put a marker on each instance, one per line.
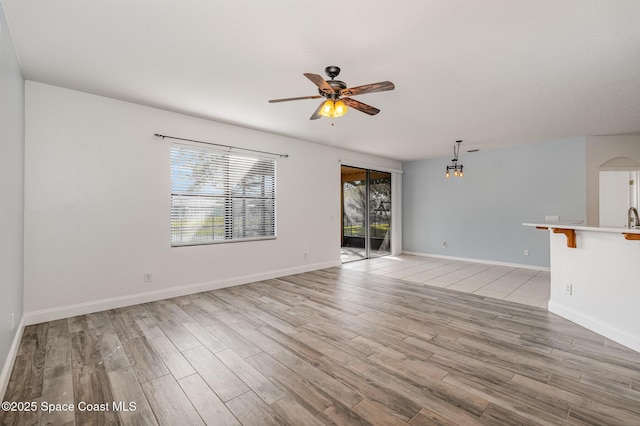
(480, 216)
(11, 190)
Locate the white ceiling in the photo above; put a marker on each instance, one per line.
(493, 73)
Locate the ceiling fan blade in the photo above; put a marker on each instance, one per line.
(294, 99)
(316, 113)
(368, 88)
(319, 81)
(367, 109)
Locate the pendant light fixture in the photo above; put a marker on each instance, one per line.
(457, 168)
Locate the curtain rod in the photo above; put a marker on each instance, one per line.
(225, 146)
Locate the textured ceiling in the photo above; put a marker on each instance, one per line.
(493, 73)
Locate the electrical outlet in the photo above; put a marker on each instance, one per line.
(444, 244)
(526, 252)
(147, 277)
(305, 256)
(552, 218)
(568, 289)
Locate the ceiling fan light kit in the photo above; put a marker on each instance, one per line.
(337, 95)
(333, 109)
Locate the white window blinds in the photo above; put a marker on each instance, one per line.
(220, 197)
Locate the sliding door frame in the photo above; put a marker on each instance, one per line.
(395, 237)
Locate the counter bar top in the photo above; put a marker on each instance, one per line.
(610, 229)
(569, 230)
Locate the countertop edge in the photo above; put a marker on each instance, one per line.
(609, 229)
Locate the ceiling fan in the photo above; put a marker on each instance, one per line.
(337, 95)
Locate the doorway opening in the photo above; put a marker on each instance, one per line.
(366, 213)
(619, 190)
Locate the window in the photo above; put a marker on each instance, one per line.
(220, 196)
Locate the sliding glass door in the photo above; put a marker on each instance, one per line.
(379, 213)
(354, 217)
(366, 213)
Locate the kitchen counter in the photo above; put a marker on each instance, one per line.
(595, 278)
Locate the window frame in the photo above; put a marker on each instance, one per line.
(222, 169)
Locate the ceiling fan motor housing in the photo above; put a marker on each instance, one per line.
(332, 71)
(337, 86)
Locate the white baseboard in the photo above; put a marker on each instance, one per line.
(52, 314)
(5, 375)
(483, 261)
(597, 326)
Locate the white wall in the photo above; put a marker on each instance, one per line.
(98, 196)
(12, 194)
(599, 149)
(604, 277)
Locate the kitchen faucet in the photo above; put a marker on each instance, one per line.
(635, 221)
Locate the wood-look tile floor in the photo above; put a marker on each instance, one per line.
(335, 346)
